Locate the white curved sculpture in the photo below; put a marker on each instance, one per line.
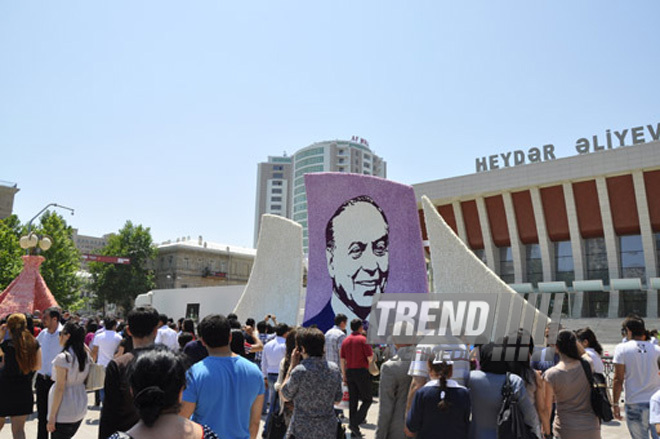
(275, 284)
(457, 270)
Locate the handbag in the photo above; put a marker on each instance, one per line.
(96, 377)
(277, 426)
(510, 421)
(600, 402)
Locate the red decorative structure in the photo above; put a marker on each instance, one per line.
(28, 291)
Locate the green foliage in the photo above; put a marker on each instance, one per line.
(121, 284)
(62, 264)
(10, 251)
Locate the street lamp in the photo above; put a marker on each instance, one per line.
(32, 240)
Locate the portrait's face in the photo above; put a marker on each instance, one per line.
(359, 262)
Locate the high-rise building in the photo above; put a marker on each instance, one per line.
(281, 185)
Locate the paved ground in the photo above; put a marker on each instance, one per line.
(89, 427)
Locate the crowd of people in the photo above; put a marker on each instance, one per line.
(218, 378)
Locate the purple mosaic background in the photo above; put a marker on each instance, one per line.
(325, 193)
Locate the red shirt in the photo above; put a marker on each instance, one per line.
(355, 351)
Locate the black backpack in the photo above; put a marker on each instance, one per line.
(510, 421)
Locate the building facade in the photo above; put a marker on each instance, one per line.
(587, 225)
(7, 192)
(89, 245)
(195, 263)
(281, 183)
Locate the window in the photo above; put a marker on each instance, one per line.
(278, 168)
(278, 175)
(277, 190)
(564, 270)
(300, 199)
(596, 304)
(276, 207)
(313, 151)
(534, 265)
(632, 302)
(480, 253)
(596, 256)
(309, 169)
(506, 265)
(276, 183)
(309, 161)
(631, 257)
(275, 198)
(299, 207)
(340, 161)
(299, 190)
(366, 165)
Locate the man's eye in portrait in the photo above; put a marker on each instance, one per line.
(356, 249)
(380, 246)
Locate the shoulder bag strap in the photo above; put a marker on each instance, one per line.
(507, 388)
(587, 371)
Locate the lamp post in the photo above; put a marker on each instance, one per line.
(31, 240)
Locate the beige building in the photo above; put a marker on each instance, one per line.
(90, 245)
(7, 192)
(190, 263)
(586, 225)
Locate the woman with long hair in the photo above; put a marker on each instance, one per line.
(534, 384)
(286, 408)
(568, 385)
(442, 405)
(314, 386)
(589, 342)
(157, 377)
(67, 398)
(21, 357)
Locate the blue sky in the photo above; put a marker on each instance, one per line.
(159, 111)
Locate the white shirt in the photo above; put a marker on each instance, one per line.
(107, 342)
(599, 367)
(274, 351)
(333, 340)
(168, 337)
(641, 379)
(50, 347)
(654, 409)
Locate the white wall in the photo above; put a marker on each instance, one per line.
(212, 300)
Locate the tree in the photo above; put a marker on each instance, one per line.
(121, 284)
(62, 264)
(10, 251)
